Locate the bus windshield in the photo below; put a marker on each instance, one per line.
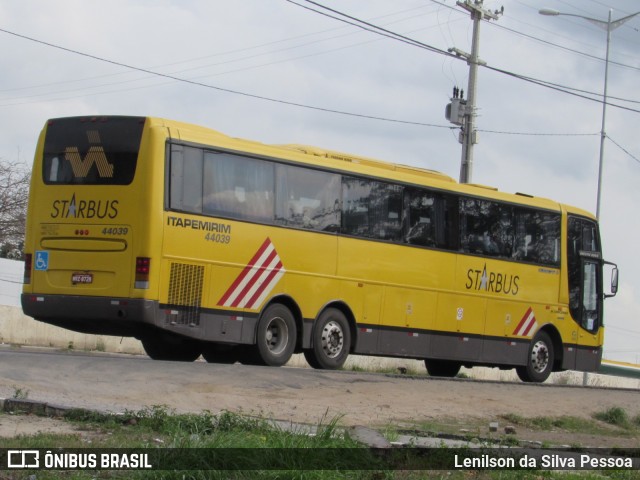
(91, 151)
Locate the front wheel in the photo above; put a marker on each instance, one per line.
(539, 360)
(331, 341)
(276, 336)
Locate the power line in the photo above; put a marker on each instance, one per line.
(540, 134)
(260, 97)
(75, 90)
(373, 29)
(547, 42)
(395, 36)
(221, 89)
(572, 50)
(623, 149)
(356, 22)
(387, 33)
(244, 49)
(560, 88)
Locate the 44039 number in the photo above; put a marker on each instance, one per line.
(218, 238)
(115, 231)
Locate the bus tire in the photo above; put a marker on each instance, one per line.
(442, 368)
(540, 360)
(276, 335)
(331, 341)
(171, 348)
(220, 353)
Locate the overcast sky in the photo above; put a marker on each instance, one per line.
(532, 139)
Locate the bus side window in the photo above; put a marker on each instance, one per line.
(486, 228)
(537, 237)
(186, 179)
(307, 198)
(238, 187)
(420, 218)
(371, 209)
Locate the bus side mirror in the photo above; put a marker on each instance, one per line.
(614, 280)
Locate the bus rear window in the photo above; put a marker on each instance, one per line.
(91, 151)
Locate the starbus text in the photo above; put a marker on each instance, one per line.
(84, 208)
(492, 281)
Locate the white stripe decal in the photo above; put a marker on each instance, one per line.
(527, 325)
(259, 278)
(256, 280)
(258, 301)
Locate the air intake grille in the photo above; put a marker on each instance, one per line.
(185, 293)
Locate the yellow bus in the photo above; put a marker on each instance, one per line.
(197, 243)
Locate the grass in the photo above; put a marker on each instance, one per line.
(614, 421)
(251, 445)
(194, 439)
(618, 417)
(19, 393)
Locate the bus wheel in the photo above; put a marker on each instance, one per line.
(539, 360)
(276, 335)
(220, 353)
(442, 368)
(171, 348)
(331, 341)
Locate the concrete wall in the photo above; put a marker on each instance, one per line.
(18, 329)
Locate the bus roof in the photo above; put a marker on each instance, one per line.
(362, 165)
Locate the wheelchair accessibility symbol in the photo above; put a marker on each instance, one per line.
(42, 260)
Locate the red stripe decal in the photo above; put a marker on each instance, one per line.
(524, 319)
(245, 272)
(253, 279)
(266, 282)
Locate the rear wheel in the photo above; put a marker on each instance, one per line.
(442, 368)
(539, 360)
(276, 335)
(331, 341)
(171, 347)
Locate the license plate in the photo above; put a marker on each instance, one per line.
(83, 278)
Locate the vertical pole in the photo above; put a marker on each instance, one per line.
(603, 137)
(469, 126)
(603, 132)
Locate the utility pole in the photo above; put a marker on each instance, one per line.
(469, 134)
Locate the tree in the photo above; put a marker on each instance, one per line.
(14, 194)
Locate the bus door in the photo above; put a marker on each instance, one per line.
(585, 290)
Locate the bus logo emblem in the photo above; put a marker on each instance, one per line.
(256, 280)
(96, 154)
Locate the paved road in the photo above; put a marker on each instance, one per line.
(120, 382)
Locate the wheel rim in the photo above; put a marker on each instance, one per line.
(277, 335)
(332, 339)
(539, 356)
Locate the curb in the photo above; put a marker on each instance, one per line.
(33, 407)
